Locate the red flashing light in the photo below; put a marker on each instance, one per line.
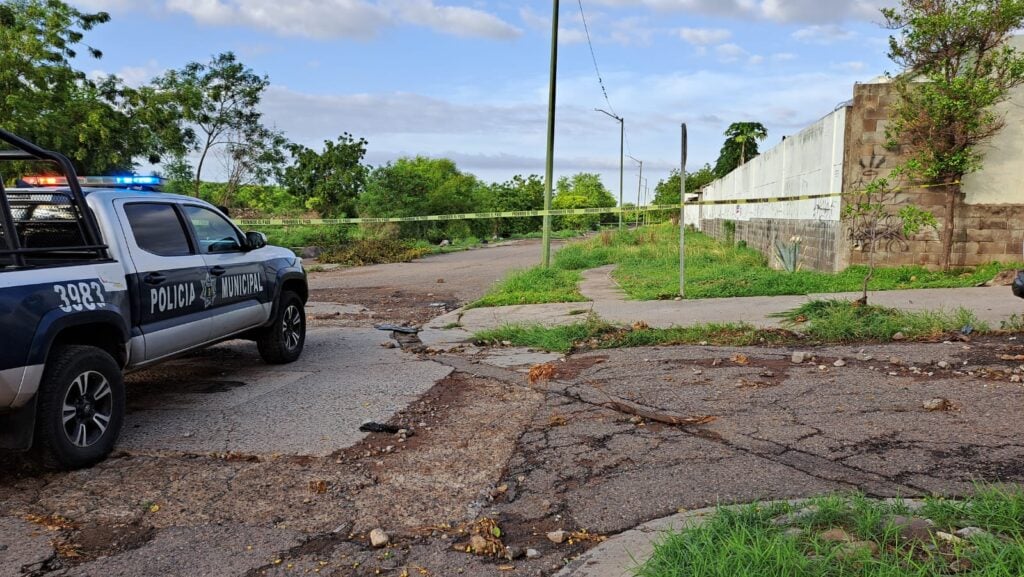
(45, 180)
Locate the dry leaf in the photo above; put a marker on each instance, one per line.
(1012, 357)
(740, 359)
(318, 487)
(545, 372)
(640, 326)
(557, 420)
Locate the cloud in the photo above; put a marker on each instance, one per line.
(704, 36)
(823, 34)
(454, 20)
(810, 11)
(360, 19)
(134, 76)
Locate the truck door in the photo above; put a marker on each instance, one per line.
(242, 293)
(171, 284)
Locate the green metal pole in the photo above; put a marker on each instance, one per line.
(622, 158)
(549, 162)
(682, 218)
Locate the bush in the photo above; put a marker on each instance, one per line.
(372, 251)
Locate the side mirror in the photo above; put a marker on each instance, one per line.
(255, 240)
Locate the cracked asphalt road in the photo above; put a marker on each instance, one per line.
(555, 454)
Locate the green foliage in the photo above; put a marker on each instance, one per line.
(423, 186)
(648, 260)
(331, 181)
(217, 104)
(178, 172)
(740, 146)
(101, 124)
(533, 286)
(958, 66)
(583, 190)
(872, 222)
(264, 199)
(748, 541)
(372, 251)
(666, 193)
(307, 235)
(595, 333)
(788, 254)
(254, 155)
(836, 321)
(520, 193)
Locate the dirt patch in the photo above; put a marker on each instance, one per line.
(463, 433)
(391, 305)
(105, 539)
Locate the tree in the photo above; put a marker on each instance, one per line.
(740, 146)
(423, 186)
(583, 190)
(214, 101)
(666, 192)
(872, 222)
(255, 156)
(101, 124)
(520, 193)
(957, 65)
(331, 181)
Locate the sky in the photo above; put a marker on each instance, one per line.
(468, 80)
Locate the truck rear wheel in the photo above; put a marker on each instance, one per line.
(81, 407)
(282, 342)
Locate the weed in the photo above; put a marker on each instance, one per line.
(837, 321)
(372, 251)
(535, 285)
(648, 269)
(750, 541)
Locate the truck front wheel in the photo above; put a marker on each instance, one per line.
(81, 407)
(282, 342)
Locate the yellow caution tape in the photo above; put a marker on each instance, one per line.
(555, 212)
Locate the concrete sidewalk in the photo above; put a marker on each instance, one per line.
(607, 300)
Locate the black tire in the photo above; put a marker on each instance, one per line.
(282, 342)
(81, 407)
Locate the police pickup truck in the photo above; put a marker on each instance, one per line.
(98, 281)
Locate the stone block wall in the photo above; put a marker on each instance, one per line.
(818, 239)
(983, 233)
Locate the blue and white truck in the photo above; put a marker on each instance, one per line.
(96, 281)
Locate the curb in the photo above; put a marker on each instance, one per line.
(622, 553)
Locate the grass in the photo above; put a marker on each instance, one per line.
(817, 322)
(648, 269)
(595, 333)
(750, 541)
(836, 321)
(533, 286)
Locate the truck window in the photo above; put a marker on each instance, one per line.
(214, 233)
(157, 229)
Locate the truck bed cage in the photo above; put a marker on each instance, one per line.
(75, 237)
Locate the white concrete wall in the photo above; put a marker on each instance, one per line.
(810, 162)
(1001, 179)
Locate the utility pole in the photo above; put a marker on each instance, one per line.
(622, 152)
(639, 182)
(682, 217)
(549, 162)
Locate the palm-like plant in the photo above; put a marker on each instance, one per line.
(744, 132)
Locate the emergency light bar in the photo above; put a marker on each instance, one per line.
(96, 181)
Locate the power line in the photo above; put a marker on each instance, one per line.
(597, 69)
(593, 57)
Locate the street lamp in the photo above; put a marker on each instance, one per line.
(639, 182)
(622, 140)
